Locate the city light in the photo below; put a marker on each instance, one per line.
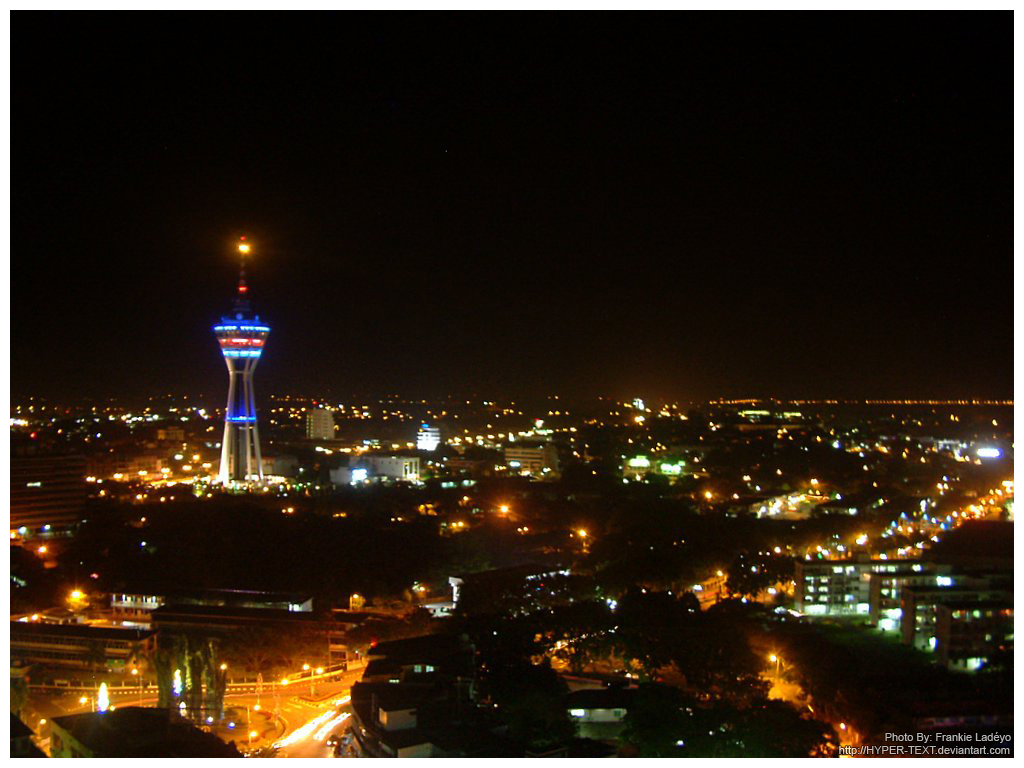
(102, 699)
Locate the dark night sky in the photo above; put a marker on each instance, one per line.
(668, 205)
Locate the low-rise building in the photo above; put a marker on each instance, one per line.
(843, 587)
(599, 712)
(969, 635)
(416, 699)
(22, 744)
(921, 605)
(538, 459)
(78, 645)
(369, 467)
(135, 607)
(133, 732)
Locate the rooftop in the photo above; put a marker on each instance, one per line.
(141, 732)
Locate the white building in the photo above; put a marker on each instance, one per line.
(364, 468)
(319, 424)
(531, 459)
(428, 438)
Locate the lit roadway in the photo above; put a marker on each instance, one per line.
(303, 723)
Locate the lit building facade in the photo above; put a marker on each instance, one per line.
(843, 587)
(319, 424)
(46, 491)
(531, 459)
(428, 438)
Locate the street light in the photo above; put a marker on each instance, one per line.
(136, 673)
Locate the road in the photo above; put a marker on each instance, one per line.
(291, 717)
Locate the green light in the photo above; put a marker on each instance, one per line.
(639, 462)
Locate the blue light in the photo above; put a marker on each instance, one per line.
(242, 352)
(241, 418)
(262, 328)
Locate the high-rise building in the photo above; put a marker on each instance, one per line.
(46, 491)
(319, 424)
(428, 438)
(241, 336)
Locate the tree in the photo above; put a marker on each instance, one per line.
(656, 721)
(197, 660)
(752, 573)
(19, 694)
(531, 702)
(664, 722)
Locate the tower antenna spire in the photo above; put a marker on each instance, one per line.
(242, 299)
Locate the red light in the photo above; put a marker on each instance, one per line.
(242, 288)
(33, 435)
(242, 237)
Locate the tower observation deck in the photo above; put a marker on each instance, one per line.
(242, 336)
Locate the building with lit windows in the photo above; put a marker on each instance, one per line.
(843, 587)
(969, 636)
(77, 645)
(921, 605)
(377, 467)
(525, 459)
(319, 424)
(46, 491)
(428, 438)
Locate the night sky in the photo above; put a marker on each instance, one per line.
(666, 205)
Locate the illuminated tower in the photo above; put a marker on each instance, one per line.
(241, 337)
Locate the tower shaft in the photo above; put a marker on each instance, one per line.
(240, 459)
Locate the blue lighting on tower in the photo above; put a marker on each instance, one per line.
(242, 338)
